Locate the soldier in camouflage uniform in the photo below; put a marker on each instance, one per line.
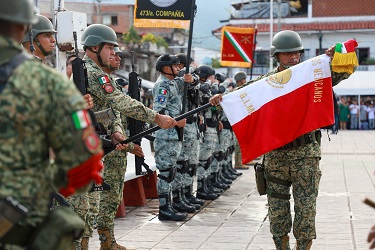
(188, 159)
(43, 38)
(295, 164)
(167, 94)
(209, 128)
(99, 42)
(47, 112)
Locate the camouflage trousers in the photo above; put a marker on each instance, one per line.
(85, 206)
(206, 151)
(189, 151)
(226, 141)
(237, 154)
(304, 174)
(114, 173)
(166, 155)
(216, 164)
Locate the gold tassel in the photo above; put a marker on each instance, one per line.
(344, 63)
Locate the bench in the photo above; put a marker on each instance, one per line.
(138, 188)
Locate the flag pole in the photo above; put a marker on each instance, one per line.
(155, 128)
(187, 66)
(254, 46)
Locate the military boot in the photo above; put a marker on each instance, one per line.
(107, 240)
(179, 204)
(166, 212)
(223, 179)
(304, 244)
(187, 201)
(217, 183)
(85, 243)
(189, 195)
(281, 243)
(232, 170)
(202, 192)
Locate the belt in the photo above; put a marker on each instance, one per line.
(211, 124)
(303, 140)
(226, 125)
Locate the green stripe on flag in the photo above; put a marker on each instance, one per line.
(339, 47)
(238, 47)
(79, 120)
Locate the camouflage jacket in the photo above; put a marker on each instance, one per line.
(38, 107)
(102, 88)
(168, 100)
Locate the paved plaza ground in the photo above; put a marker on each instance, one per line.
(238, 219)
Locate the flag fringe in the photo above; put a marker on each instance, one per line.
(344, 63)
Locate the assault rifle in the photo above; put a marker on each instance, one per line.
(135, 126)
(81, 81)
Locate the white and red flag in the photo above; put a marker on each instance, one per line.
(277, 109)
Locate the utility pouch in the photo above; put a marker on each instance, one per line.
(61, 224)
(11, 212)
(260, 178)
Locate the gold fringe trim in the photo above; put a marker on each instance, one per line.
(344, 63)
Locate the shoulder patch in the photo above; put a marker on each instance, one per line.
(161, 99)
(91, 140)
(163, 91)
(108, 88)
(103, 79)
(81, 119)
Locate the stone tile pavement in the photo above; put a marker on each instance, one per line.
(238, 219)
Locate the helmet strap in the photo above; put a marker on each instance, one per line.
(173, 74)
(98, 55)
(44, 52)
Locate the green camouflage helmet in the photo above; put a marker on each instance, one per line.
(96, 34)
(18, 11)
(43, 25)
(286, 41)
(239, 76)
(117, 50)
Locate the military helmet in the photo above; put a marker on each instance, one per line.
(96, 34)
(239, 76)
(166, 60)
(117, 49)
(286, 41)
(220, 77)
(18, 11)
(43, 25)
(205, 71)
(183, 58)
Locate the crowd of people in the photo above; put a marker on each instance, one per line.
(53, 149)
(356, 116)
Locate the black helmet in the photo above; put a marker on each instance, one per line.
(183, 58)
(166, 60)
(220, 77)
(286, 41)
(18, 11)
(205, 71)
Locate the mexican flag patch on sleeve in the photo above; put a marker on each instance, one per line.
(81, 119)
(103, 80)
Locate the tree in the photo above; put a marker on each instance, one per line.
(131, 37)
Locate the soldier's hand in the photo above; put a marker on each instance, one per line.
(220, 126)
(216, 99)
(137, 151)
(371, 238)
(165, 121)
(188, 78)
(181, 123)
(117, 137)
(120, 147)
(89, 101)
(331, 51)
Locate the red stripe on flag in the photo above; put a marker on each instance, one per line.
(283, 119)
